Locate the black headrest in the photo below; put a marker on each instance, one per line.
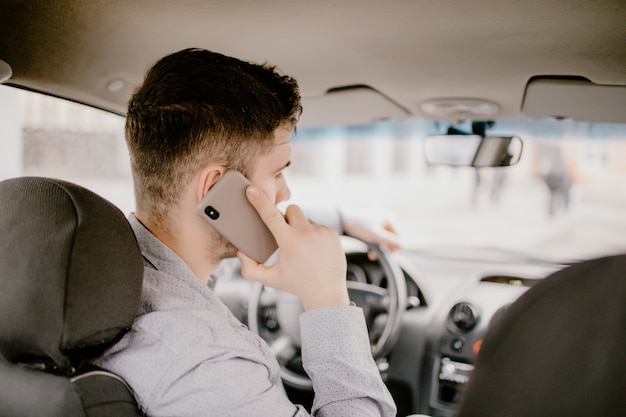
(558, 350)
(70, 273)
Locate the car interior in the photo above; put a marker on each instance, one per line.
(492, 132)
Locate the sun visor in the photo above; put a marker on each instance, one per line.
(5, 71)
(351, 105)
(575, 98)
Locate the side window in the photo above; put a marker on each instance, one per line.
(46, 136)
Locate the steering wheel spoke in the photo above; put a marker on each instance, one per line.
(368, 295)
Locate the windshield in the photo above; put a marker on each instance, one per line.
(564, 200)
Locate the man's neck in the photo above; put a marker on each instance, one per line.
(187, 248)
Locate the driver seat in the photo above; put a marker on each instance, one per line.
(70, 286)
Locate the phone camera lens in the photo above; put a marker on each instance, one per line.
(212, 213)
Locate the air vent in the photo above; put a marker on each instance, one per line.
(463, 316)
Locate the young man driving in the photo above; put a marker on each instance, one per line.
(197, 115)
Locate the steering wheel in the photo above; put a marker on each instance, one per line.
(381, 293)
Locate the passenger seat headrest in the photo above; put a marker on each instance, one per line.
(70, 273)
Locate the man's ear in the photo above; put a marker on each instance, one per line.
(209, 175)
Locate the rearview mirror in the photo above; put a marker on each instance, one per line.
(473, 150)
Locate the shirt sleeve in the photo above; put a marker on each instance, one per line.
(234, 387)
(336, 355)
(222, 371)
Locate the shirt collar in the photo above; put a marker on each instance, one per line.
(159, 256)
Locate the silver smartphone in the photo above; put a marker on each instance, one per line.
(227, 209)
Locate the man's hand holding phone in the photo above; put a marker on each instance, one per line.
(311, 265)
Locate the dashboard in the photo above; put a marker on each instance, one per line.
(451, 302)
(440, 339)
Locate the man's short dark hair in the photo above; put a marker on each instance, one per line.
(197, 107)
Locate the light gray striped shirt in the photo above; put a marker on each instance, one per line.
(187, 355)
